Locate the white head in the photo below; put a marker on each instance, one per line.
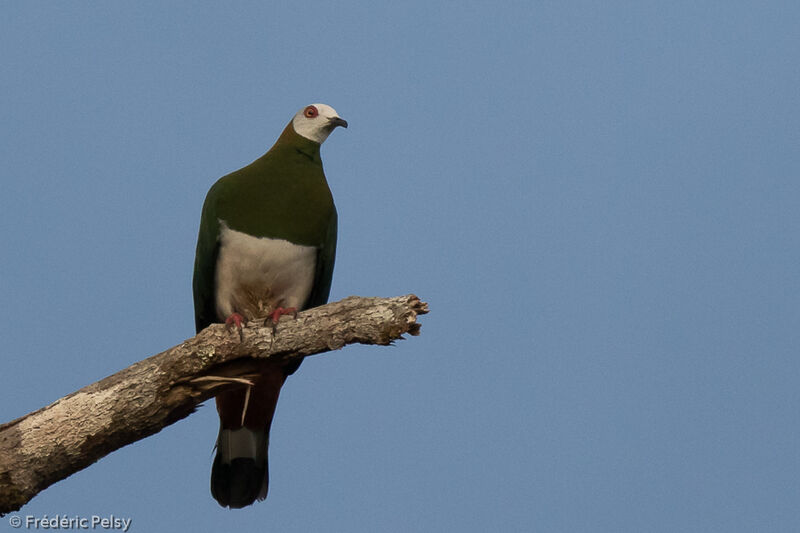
(316, 122)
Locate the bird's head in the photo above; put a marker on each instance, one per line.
(317, 121)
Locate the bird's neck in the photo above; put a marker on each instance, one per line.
(293, 143)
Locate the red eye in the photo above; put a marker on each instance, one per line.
(310, 112)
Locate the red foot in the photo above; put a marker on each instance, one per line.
(276, 315)
(235, 320)
(279, 312)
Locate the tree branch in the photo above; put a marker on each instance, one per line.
(50, 444)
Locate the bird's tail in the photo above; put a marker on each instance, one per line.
(241, 469)
(240, 473)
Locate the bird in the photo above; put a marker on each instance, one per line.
(266, 247)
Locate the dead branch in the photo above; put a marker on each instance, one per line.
(50, 444)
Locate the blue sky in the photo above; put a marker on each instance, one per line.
(599, 201)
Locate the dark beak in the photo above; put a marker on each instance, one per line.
(337, 122)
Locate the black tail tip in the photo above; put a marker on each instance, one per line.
(239, 483)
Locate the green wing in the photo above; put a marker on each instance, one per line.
(205, 263)
(324, 267)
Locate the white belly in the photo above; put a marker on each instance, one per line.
(255, 275)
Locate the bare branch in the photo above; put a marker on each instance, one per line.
(50, 444)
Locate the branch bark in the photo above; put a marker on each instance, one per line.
(50, 444)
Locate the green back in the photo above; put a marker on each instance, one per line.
(281, 195)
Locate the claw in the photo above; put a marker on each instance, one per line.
(235, 320)
(276, 315)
